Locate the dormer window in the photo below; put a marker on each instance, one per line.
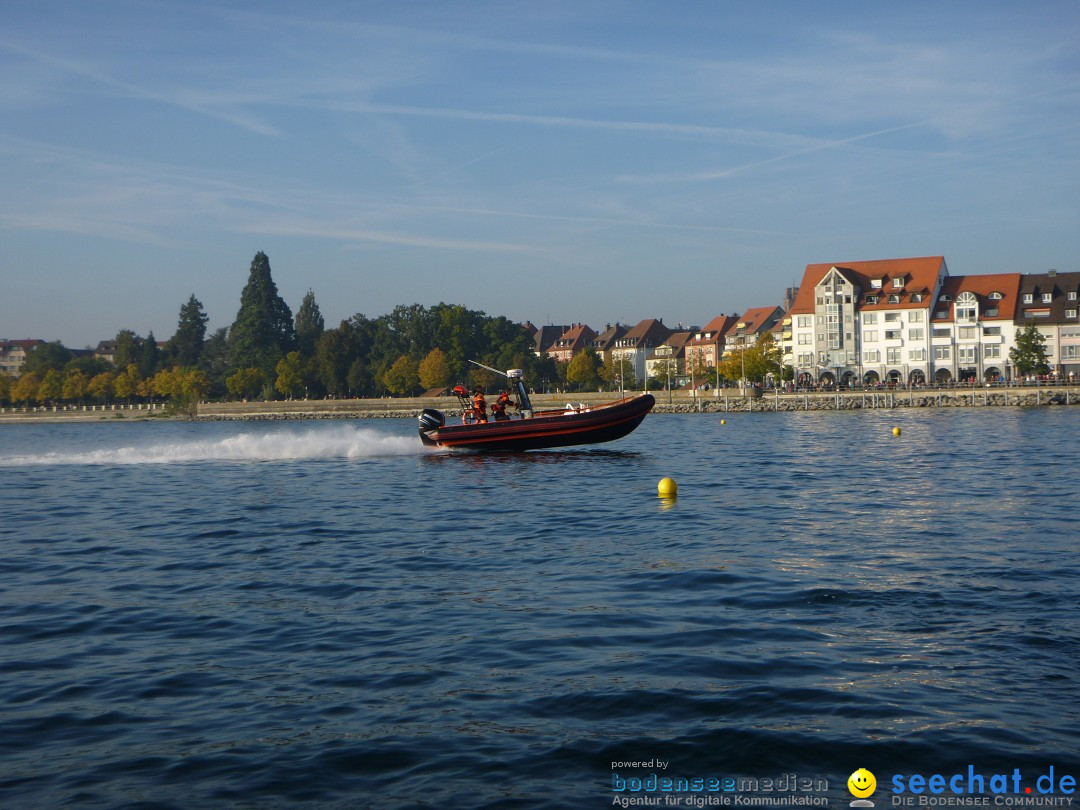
(995, 296)
(1028, 298)
(916, 297)
(871, 299)
(1047, 297)
(894, 298)
(875, 283)
(1072, 295)
(946, 297)
(898, 282)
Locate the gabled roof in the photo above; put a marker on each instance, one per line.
(677, 341)
(717, 328)
(606, 339)
(649, 332)
(1005, 284)
(1059, 285)
(547, 335)
(753, 321)
(26, 345)
(920, 276)
(577, 337)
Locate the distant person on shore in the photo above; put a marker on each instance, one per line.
(498, 409)
(480, 404)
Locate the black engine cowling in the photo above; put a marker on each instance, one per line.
(430, 419)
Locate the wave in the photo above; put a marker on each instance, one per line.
(281, 445)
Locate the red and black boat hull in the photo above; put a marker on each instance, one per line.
(547, 429)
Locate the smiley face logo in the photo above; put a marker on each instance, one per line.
(861, 783)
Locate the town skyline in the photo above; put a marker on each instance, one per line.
(560, 163)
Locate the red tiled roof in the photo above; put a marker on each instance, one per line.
(754, 320)
(919, 274)
(1006, 284)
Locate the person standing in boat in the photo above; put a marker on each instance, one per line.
(498, 408)
(480, 404)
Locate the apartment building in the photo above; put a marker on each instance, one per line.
(1049, 300)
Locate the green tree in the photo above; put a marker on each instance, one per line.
(1030, 355)
(89, 366)
(26, 387)
(434, 370)
(246, 382)
(309, 325)
(290, 375)
(215, 359)
(51, 388)
(186, 346)
(263, 330)
(583, 372)
(46, 357)
(403, 376)
(128, 349)
(5, 388)
(75, 383)
(619, 371)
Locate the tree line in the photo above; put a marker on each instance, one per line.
(269, 353)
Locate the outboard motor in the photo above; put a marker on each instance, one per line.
(430, 419)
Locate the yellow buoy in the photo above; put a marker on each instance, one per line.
(667, 488)
(896, 431)
(723, 421)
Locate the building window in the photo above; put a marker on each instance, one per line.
(941, 313)
(915, 316)
(990, 331)
(1070, 353)
(872, 356)
(804, 321)
(892, 334)
(1028, 298)
(869, 317)
(869, 336)
(897, 282)
(945, 298)
(991, 312)
(994, 296)
(918, 354)
(805, 338)
(991, 351)
(1070, 313)
(892, 356)
(892, 316)
(915, 334)
(871, 299)
(1046, 297)
(1072, 295)
(942, 332)
(894, 298)
(969, 332)
(875, 283)
(941, 352)
(965, 354)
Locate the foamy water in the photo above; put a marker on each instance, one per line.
(342, 441)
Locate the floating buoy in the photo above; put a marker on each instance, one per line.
(667, 488)
(723, 421)
(896, 431)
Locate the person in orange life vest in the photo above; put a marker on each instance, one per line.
(480, 404)
(498, 410)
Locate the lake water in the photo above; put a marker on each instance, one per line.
(323, 614)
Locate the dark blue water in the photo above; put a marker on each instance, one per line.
(321, 614)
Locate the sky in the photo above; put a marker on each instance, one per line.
(561, 162)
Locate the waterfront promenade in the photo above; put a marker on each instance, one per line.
(726, 400)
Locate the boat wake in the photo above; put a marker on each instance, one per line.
(342, 442)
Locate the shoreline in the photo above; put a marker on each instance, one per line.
(1035, 396)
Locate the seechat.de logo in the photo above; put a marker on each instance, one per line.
(861, 784)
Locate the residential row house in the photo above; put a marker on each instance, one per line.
(909, 321)
(639, 342)
(13, 354)
(571, 342)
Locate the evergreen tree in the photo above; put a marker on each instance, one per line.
(186, 346)
(263, 331)
(151, 354)
(309, 325)
(1030, 355)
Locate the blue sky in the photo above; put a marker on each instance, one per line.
(558, 161)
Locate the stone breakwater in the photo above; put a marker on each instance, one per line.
(734, 403)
